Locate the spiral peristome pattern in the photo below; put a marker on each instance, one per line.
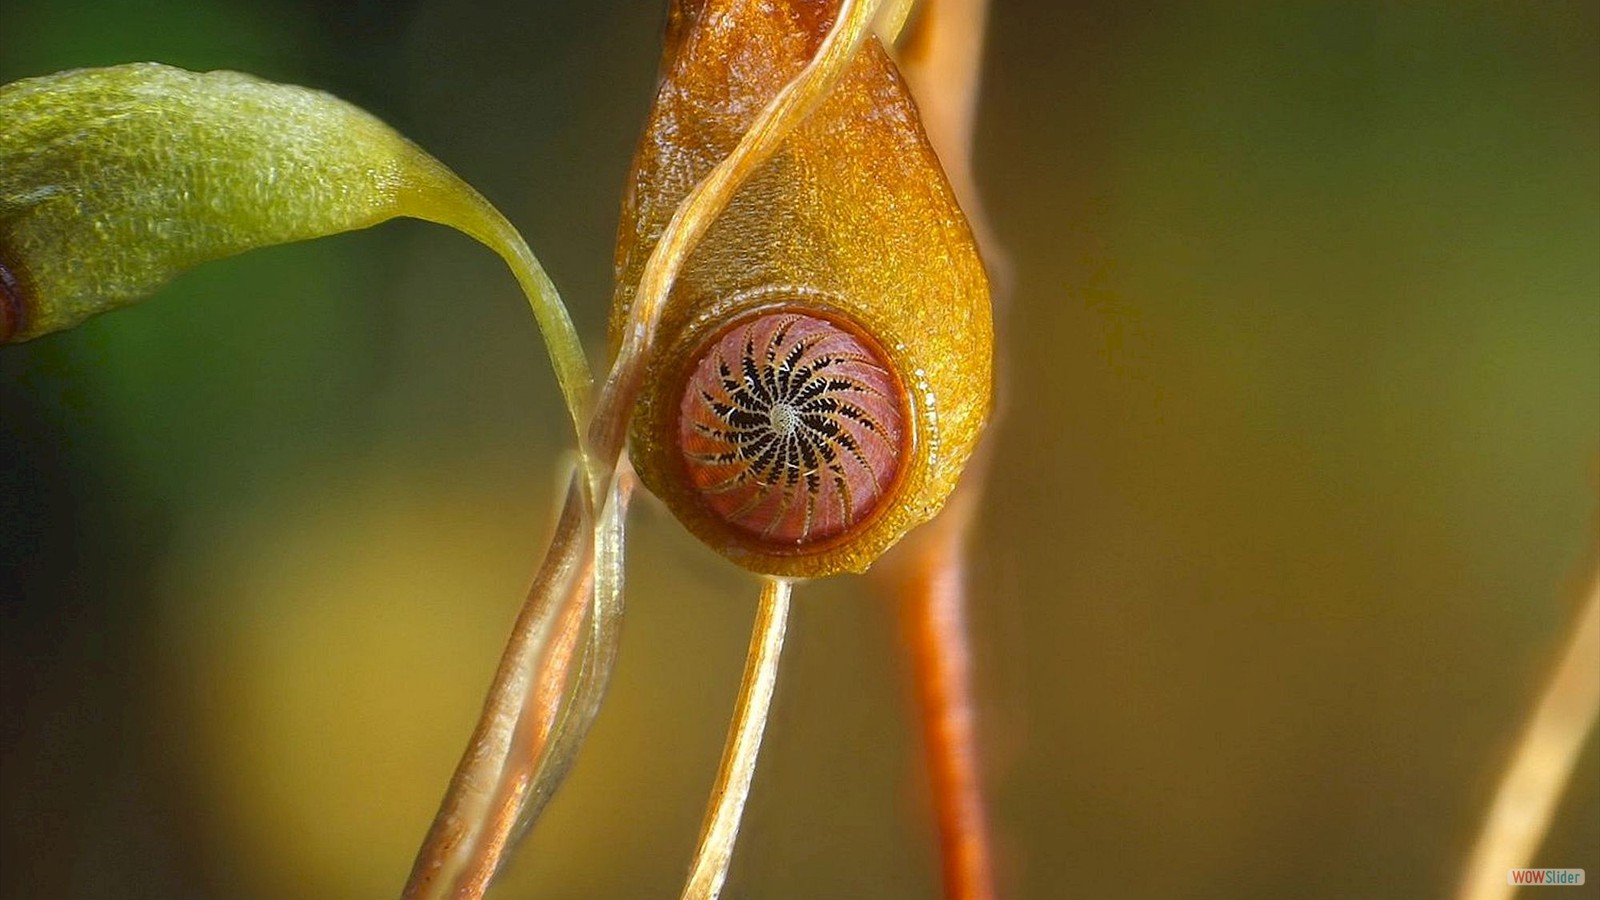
(791, 428)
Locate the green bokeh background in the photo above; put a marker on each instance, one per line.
(1294, 491)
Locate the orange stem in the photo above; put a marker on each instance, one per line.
(934, 607)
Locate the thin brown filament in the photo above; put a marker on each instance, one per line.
(1541, 764)
(721, 829)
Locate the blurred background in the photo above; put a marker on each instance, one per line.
(1294, 492)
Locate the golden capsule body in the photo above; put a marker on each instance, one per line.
(851, 225)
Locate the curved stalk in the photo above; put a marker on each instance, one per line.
(527, 687)
(441, 196)
(1542, 763)
(721, 828)
(605, 635)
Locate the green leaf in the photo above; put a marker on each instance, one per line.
(114, 180)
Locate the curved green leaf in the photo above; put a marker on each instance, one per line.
(114, 180)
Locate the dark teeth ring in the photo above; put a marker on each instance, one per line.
(791, 428)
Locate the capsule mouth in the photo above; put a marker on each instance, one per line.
(792, 429)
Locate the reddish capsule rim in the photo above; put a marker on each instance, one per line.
(890, 495)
